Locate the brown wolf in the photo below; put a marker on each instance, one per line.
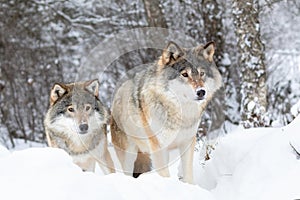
(76, 122)
(160, 107)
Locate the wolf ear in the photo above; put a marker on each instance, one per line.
(170, 54)
(57, 91)
(93, 87)
(209, 50)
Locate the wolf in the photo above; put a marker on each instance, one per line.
(159, 109)
(76, 122)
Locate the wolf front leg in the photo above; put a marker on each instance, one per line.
(109, 162)
(160, 163)
(106, 163)
(86, 164)
(160, 159)
(187, 155)
(127, 158)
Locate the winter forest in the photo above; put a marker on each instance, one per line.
(43, 42)
(248, 142)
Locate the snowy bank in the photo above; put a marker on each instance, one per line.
(48, 173)
(260, 163)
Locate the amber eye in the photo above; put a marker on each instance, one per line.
(71, 109)
(202, 73)
(87, 108)
(185, 74)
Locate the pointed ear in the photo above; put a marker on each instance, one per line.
(57, 91)
(171, 53)
(209, 50)
(93, 87)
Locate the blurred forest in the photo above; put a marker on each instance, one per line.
(45, 41)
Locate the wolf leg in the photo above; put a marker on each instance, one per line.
(142, 164)
(160, 161)
(106, 163)
(91, 166)
(109, 162)
(87, 165)
(127, 158)
(160, 157)
(49, 141)
(187, 155)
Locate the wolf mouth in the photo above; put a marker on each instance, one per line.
(82, 132)
(200, 98)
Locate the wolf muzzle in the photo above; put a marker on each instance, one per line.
(83, 128)
(201, 93)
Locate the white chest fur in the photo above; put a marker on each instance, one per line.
(177, 117)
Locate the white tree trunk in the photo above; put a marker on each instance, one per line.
(251, 62)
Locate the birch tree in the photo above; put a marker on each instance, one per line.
(251, 62)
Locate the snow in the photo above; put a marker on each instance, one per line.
(295, 110)
(251, 105)
(226, 60)
(49, 173)
(21, 144)
(3, 151)
(256, 164)
(259, 163)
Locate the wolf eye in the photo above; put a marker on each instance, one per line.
(202, 73)
(71, 109)
(87, 108)
(185, 74)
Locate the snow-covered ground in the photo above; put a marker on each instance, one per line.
(250, 164)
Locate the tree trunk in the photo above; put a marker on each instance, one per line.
(155, 16)
(251, 61)
(212, 12)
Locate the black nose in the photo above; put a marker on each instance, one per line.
(201, 93)
(83, 128)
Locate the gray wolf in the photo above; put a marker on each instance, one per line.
(159, 109)
(76, 122)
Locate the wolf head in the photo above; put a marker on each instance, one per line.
(75, 108)
(193, 68)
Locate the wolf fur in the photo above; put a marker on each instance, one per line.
(76, 122)
(159, 109)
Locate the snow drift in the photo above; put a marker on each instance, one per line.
(261, 163)
(48, 173)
